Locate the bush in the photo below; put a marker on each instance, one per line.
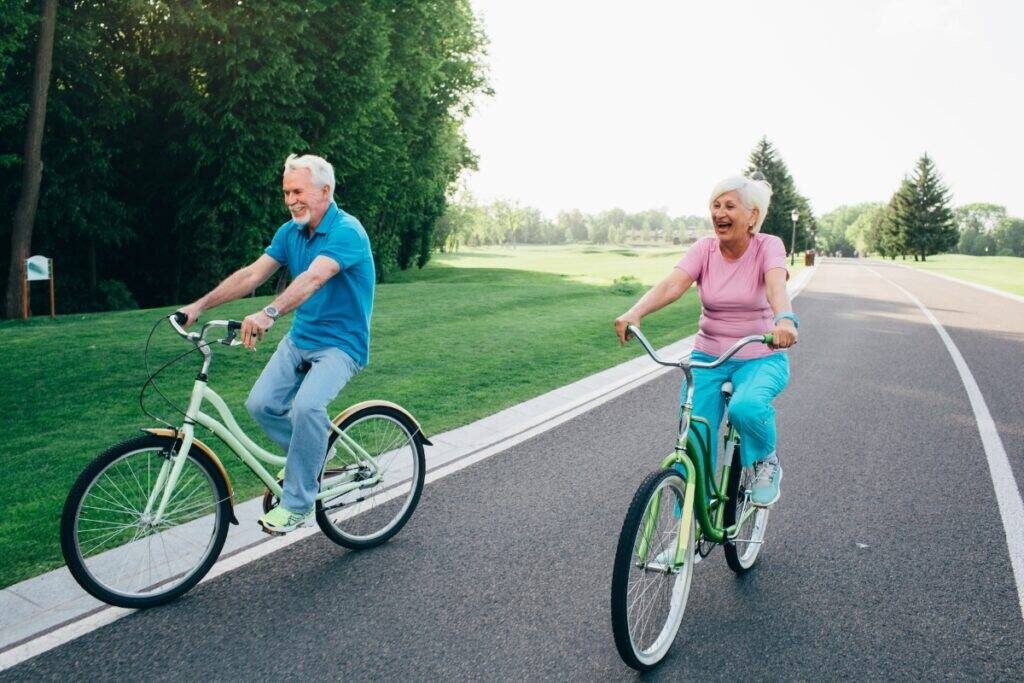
(626, 285)
(114, 295)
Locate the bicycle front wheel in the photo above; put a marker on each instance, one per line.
(370, 515)
(121, 553)
(649, 588)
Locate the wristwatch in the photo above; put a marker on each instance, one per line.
(272, 312)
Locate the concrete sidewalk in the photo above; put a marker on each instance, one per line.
(43, 605)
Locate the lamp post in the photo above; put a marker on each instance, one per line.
(795, 215)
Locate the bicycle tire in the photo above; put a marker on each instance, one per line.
(739, 555)
(628, 623)
(366, 518)
(87, 564)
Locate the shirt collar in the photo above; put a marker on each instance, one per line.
(326, 223)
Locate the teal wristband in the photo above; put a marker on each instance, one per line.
(788, 315)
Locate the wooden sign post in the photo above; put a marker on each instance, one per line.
(38, 268)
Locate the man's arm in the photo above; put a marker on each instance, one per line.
(238, 284)
(320, 271)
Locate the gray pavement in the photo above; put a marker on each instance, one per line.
(885, 556)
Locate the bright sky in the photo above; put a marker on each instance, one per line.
(647, 104)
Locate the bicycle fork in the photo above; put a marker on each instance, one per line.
(171, 469)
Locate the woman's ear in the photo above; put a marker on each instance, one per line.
(754, 215)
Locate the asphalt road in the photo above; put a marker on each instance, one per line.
(504, 571)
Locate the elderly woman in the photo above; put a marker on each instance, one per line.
(741, 276)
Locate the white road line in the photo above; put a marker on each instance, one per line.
(63, 634)
(1008, 498)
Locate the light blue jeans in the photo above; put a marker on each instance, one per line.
(756, 382)
(291, 407)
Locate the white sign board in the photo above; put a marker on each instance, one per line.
(38, 268)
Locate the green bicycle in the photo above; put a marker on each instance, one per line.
(146, 520)
(677, 516)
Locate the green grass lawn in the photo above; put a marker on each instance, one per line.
(465, 337)
(1001, 272)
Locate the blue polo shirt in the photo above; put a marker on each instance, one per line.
(337, 314)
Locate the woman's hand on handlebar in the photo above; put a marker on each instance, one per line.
(784, 334)
(622, 322)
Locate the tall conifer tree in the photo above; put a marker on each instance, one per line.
(785, 197)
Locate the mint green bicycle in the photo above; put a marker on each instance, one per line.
(146, 520)
(677, 516)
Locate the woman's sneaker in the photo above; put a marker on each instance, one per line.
(765, 491)
(280, 520)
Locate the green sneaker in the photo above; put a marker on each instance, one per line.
(767, 477)
(280, 520)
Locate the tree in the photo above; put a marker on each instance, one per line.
(766, 160)
(575, 224)
(168, 123)
(1009, 237)
(835, 228)
(32, 170)
(922, 216)
(976, 224)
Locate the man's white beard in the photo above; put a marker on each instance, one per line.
(303, 219)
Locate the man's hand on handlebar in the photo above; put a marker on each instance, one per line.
(254, 327)
(192, 311)
(621, 323)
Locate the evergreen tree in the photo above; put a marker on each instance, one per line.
(765, 159)
(894, 236)
(922, 215)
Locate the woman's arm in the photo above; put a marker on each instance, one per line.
(662, 294)
(784, 333)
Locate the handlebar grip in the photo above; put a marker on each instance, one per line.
(234, 325)
(768, 339)
(180, 317)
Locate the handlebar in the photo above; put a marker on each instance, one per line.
(758, 338)
(178, 318)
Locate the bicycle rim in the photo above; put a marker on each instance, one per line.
(656, 593)
(366, 515)
(751, 531)
(122, 549)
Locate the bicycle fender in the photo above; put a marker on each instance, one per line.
(208, 452)
(344, 415)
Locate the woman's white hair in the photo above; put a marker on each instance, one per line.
(754, 192)
(321, 171)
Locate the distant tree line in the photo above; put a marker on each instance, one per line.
(167, 125)
(468, 223)
(918, 221)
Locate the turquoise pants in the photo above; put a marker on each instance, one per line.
(756, 382)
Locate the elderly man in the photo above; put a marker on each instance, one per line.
(328, 254)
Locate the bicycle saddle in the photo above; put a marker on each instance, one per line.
(727, 389)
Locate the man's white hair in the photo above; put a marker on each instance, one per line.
(321, 171)
(755, 193)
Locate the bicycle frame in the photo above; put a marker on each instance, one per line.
(228, 430)
(703, 495)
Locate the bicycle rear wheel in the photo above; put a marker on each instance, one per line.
(649, 592)
(743, 551)
(367, 517)
(119, 553)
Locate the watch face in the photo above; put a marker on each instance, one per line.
(271, 311)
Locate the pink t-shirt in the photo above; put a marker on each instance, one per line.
(732, 293)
